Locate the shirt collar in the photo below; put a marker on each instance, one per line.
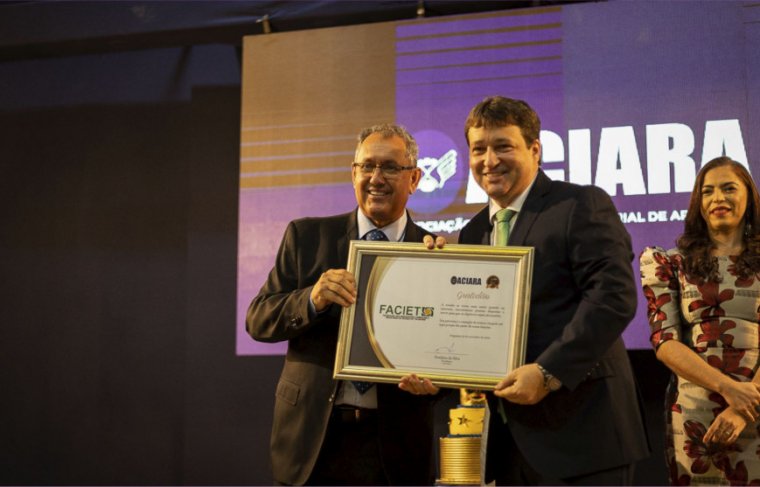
(394, 231)
(516, 204)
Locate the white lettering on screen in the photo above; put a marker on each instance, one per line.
(670, 165)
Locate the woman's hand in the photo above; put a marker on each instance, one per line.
(726, 428)
(744, 397)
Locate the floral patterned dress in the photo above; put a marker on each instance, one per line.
(719, 321)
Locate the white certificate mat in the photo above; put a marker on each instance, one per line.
(456, 315)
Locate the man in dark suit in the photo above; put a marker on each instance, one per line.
(328, 432)
(570, 415)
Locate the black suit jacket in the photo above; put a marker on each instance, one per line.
(583, 296)
(306, 389)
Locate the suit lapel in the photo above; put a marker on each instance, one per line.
(412, 232)
(350, 233)
(483, 227)
(533, 205)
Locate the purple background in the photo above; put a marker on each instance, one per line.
(588, 66)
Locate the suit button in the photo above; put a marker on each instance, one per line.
(596, 366)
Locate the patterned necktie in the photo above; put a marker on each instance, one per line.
(373, 235)
(503, 218)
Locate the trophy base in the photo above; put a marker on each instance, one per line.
(455, 482)
(460, 460)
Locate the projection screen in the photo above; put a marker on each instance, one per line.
(633, 97)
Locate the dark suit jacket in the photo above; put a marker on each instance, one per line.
(583, 296)
(305, 392)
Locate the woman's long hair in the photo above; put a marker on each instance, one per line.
(695, 243)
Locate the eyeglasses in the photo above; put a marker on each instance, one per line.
(387, 170)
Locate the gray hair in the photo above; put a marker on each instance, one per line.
(388, 130)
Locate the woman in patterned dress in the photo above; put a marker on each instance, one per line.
(704, 312)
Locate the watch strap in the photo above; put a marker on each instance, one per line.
(551, 383)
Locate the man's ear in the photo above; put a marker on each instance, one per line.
(536, 150)
(415, 180)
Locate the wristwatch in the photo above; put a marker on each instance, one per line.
(551, 383)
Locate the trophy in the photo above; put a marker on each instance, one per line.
(461, 448)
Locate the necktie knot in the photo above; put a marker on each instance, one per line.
(376, 235)
(505, 215)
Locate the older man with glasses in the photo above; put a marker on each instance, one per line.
(328, 432)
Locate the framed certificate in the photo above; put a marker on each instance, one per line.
(457, 316)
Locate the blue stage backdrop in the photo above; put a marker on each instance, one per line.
(634, 97)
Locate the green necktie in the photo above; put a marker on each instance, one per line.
(503, 218)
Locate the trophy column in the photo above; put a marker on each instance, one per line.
(461, 458)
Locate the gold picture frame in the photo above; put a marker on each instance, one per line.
(457, 316)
